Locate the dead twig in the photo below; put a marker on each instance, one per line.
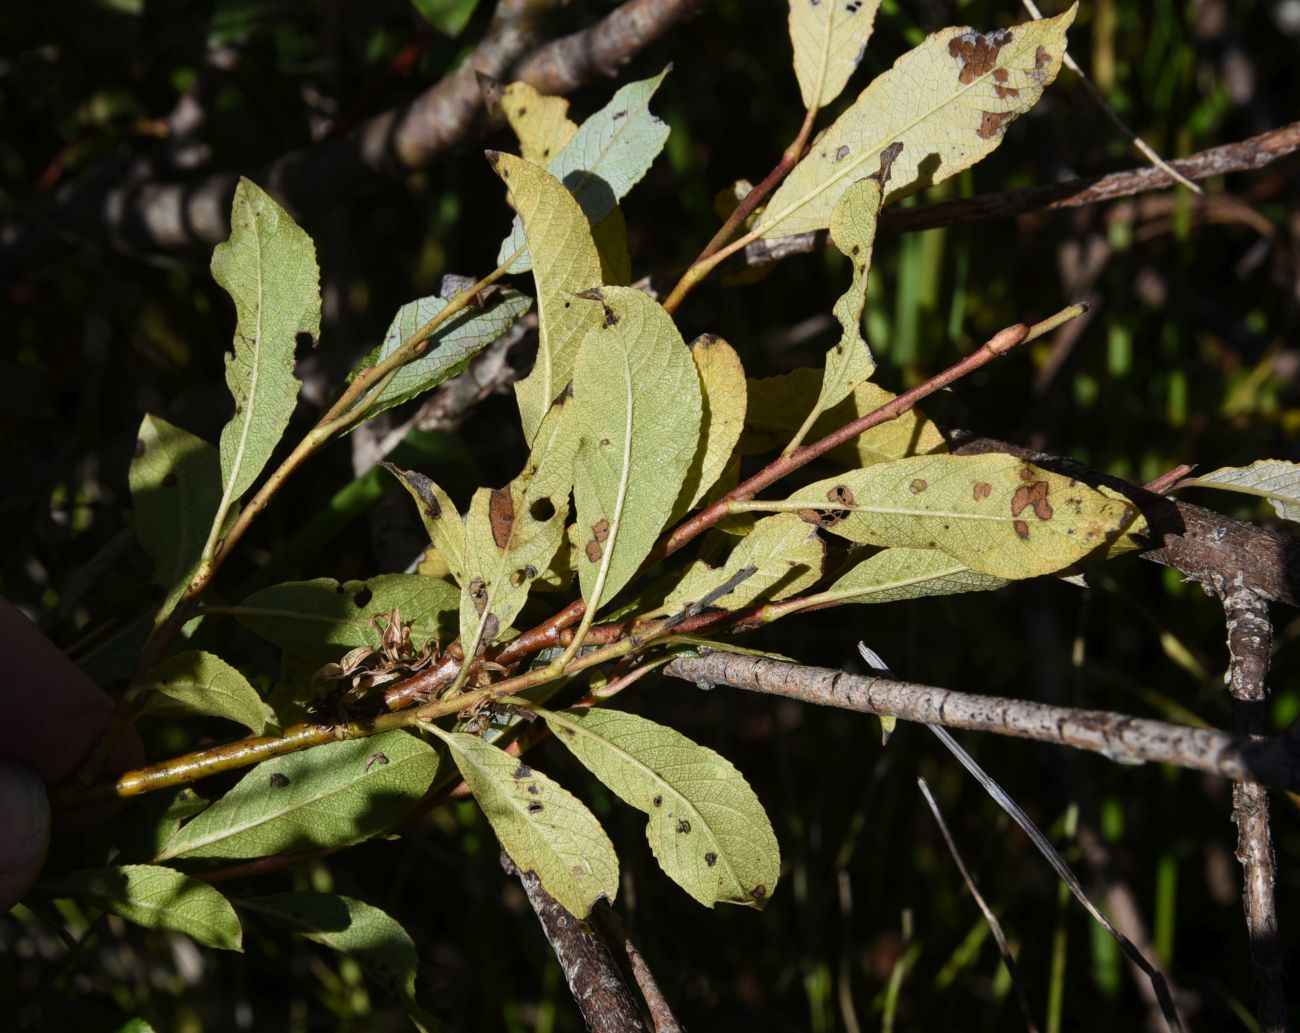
(1250, 637)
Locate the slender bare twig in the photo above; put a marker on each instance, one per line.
(1240, 156)
(661, 1013)
(1117, 736)
(995, 927)
(607, 1003)
(1250, 637)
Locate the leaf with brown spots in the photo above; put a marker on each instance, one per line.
(541, 123)
(706, 828)
(1028, 522)
(512, 534)
(638, 404)
(438, 514)
(948, 102)
(544, 828)
(829, 38)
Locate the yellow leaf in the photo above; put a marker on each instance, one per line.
(948, 102)
(541, 123)
(722, 381)
(829, 38)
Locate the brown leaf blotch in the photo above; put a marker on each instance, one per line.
(982, 490)
(278, 780)
(842, 152)
(710, 858)
(478, 593)
(593, 551)
(658, 801)
(683, 827)
(977, 52)
(1021, 528)
(536, 808)
(523, 771)
(501, 516)
(1034, 495)
(918, 485)
(601, 530)
(992, 122)
(841, 494)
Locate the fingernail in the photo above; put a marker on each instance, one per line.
(24, 830)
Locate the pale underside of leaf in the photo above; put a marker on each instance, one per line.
(785, 552)
(540, 123)
(893, 575)
(330, 795)
(321, 619)
(828, 38)
(948, 102)
(512, 534)
(1274, 479)
(567, 263)
(775, 405)
(451, 347)
(707, 829)
(605, 158)
(160, 898)
(638, 402)
(995, 513)
(543, 827)
(438, 513)
(268, 267)
(722, 387)
(201, 683)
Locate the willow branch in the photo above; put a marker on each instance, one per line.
(1116, 736)
(1250, 637)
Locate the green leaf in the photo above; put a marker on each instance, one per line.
(439, 516)
(451, 347)
(326, 796)
(175, 483)
(786, 553)
(707, 829)
(638, 401)
(540, 123)
(544, 828)
(849, 363)
(1272, 479)
(567, 263)
(829, 39)
(605, 158)
(268, 266)
(722, 386)
(322, 619)
(447, 16)
(200, 683)
(776, 402)
(948, 102)
(359, 930)
(513, 533)
(994, 513)
(159, 898)
(893, 575)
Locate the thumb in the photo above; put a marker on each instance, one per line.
(24, 830)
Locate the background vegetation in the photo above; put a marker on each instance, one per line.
(1190, 355)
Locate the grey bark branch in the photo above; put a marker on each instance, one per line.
(151, 216)
(1116, 736)
(1241, 156)
(1250, 637)
(608, 1004)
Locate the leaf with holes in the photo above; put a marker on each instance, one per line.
(451, 347)
(785, 552)
(439, 516)
(707, 829)
(268, 267)
(604, 159)
(158, 898)
(948, 102)
(200, 683)
(829, 38)
(373, 938)
(994, 513)
(567, 263)
(722, 389)
(327, 796)
(175, 481)
(1272, 479)
(513, 533)
(323, 619)
(637, 397)
(774, 405)
(540, 123)
(544, 828)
